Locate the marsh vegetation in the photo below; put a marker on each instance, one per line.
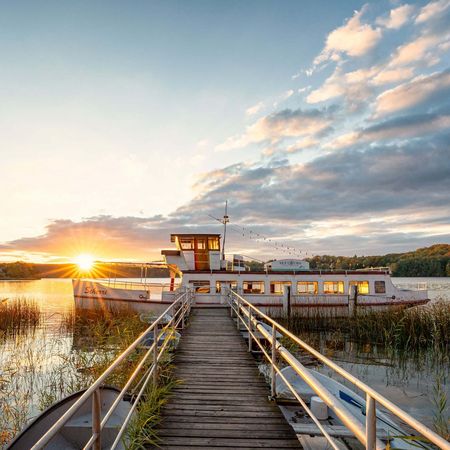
(36, 369)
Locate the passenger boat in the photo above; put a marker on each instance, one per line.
(286, 285)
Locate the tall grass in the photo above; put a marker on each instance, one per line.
(35, 373)
(402, 329)
(18, 315)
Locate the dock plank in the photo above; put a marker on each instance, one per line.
(222, 401)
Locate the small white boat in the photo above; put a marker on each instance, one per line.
(387, 429)
(78, 429)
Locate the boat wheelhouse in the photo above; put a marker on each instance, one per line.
(198, 263)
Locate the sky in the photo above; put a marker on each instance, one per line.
(326, 126)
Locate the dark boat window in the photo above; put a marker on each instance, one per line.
(232, 284)
(380, 287)
(277, 287)
(307, 287)
(186, 243)
(253, 287)
(200, 286)
(363, 286)
(213, 243)
(333, 287)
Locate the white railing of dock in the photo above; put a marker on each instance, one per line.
(253, 319)
(178, 312)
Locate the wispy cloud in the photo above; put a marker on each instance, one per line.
(354, 39)
(397, 17)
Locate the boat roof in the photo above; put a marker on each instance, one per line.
(290, 272)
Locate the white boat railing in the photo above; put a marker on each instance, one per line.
(178, 310)
(135, 285)
(253, 319)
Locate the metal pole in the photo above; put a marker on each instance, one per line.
(273, 389)
(155, 354)
(371, 423)
(96, 419)
(250, 331)
(238, 314)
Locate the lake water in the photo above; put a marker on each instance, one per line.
(408, 383)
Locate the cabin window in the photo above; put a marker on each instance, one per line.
(333, 287)
(200, 286)
(201, 244)
(380, 287)
(307, 287)
(186, 243)
(253, 287)
(213, 243)
(277, 287)
(232, 284)
(363, 286)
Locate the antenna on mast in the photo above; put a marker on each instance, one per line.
(225, 220)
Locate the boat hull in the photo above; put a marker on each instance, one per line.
(93, 295)
(78, 429)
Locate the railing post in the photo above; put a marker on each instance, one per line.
(155, 354)
(273, 389)
(238, 313)
(371, 423)
(250, 341)
(231, 304)
(96, 419)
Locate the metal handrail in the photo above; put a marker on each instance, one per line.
(368, 437)
(180, 309)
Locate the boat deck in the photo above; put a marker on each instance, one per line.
(222, 401)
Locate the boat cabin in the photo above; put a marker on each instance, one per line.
(194, 252)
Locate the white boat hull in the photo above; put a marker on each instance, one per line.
(94, 295)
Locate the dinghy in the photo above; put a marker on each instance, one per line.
(387, 429)
(78, 429)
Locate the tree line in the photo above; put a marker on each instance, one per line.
(433, 261)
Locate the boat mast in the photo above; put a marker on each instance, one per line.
(225, 220)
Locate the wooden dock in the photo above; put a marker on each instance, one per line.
(223, 401)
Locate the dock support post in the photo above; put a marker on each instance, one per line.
(371, 423)
(96, 419)
(273, 389)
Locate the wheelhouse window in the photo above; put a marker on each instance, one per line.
(213, 243)
(200, 286)
(380, 287)
(277, 287)
(363, 286)
(253, 287)
(187, 243)
(307, 287)
(220, 284)
(201, 244)
(333, 287)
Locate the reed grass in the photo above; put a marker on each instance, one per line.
(18, 315)
(402, 329)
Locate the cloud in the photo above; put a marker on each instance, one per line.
(283, 124)
(415, 92)
(397, 17)
(397, 128)
(358, 198)
(422, 48)
(255, 109)
(354, 39)
(388, 76)
(432, 10)
(354, 86)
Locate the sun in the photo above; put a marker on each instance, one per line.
(84, 262)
